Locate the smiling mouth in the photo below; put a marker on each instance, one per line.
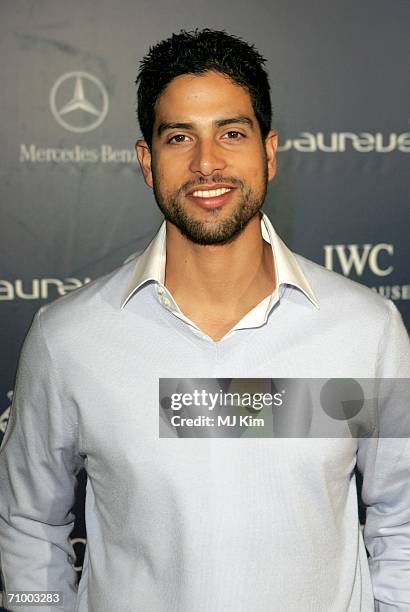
(210, 193)
(211, 198)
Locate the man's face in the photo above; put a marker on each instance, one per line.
(208, 164)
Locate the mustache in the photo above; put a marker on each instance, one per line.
(215, 178)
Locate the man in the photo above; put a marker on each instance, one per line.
(203, 525)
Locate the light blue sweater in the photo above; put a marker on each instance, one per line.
(201, 525)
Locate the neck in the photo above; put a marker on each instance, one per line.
(223, 279)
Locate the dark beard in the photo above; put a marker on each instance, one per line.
(197, 231)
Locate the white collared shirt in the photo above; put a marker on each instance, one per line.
(150, 266)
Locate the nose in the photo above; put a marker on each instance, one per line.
(207, 158)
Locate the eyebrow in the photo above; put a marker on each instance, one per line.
(217, 123)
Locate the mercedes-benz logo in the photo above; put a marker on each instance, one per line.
(79, 101)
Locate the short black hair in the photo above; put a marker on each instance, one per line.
(196, 52)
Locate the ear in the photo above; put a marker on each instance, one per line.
(271, 144)
(144, 158)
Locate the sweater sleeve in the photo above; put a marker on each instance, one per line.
(39, 460)
(385, 465)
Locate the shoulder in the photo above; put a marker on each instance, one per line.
(343, 296)
(95, 304)
(353, 307)
(354, 316)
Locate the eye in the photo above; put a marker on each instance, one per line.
(177, 139)
(233, 135)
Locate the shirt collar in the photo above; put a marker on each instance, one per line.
(150, 265)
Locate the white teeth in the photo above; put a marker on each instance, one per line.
(210, 193)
